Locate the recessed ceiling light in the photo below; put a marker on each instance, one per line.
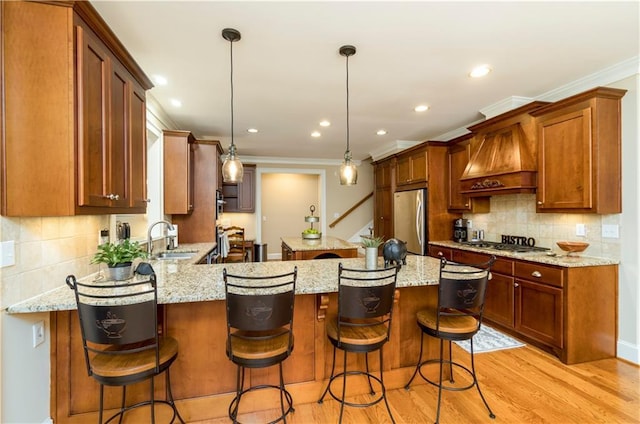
(176, 103)
(325, 123)
(421, 108)
(252, 130)
(316, 134)
(160, 80)
(381, 132)
(480, 71)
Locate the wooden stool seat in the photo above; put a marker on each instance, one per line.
(369, 335)
(428, 318)
(115, 366)
(255, 348)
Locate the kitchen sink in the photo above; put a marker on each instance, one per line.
(164, 256)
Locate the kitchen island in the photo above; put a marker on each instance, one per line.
(192, 311)
(297, 248)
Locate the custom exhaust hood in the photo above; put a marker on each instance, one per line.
(503, 155)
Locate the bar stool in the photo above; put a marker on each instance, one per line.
(363, 325)
(458, 316)
(259, 330)
(119, 325)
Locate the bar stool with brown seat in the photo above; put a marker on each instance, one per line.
(119, 326)
(457, 316)
(237, 249)
(363, 325)
(259, 330)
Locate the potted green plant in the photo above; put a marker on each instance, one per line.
(371, 244)
(119, 257)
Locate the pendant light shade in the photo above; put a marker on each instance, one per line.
(232, 167)
(348, 170)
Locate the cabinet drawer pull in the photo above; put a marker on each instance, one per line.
(440, 253)
(539, 202)
(112, 196)
(536, 274)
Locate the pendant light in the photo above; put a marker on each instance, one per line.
(348, 170)
(232, 167)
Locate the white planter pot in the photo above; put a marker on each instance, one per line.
(371, 257)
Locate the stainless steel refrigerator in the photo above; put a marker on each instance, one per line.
(410, 219)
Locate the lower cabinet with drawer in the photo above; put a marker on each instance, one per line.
(568, 311)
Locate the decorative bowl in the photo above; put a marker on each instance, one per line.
(572, 247)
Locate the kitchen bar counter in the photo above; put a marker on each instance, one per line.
(184, 280)
(560, 259)
(192, 311)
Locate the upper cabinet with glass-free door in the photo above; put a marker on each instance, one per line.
(579, 153)
(74, 139)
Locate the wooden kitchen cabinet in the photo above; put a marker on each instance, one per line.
(579, 153)
(241, 197)
(74, 136)
(112, 131)
(178, 172)
(411, 166)
(199, 225)
(383, 198)
(458, 157)
(568, 311)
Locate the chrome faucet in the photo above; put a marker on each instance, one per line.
(149, 242)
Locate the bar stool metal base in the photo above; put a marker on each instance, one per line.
(285, 396)
(344, 374)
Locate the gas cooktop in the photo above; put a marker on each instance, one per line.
(509, 247)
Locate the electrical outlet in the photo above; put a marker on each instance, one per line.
(37, 330)
(581, 230)
(610, 231)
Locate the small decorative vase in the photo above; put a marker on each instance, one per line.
(120, 272)
(371, 257)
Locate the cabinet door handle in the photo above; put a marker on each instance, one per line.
(516, 285)
(536, 274)
(440, 254)
(540, 202)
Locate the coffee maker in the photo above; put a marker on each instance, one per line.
(460, 231)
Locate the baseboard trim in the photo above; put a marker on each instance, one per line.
(628, 352)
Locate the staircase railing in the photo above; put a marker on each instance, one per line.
(351, 209)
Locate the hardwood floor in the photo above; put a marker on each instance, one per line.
(523, 385)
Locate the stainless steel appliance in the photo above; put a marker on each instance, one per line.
(460, 231)
(410, 219)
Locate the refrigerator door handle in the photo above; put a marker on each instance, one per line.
(418, 220)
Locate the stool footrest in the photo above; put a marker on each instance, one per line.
(453, 363)
(357, 405)
(235, 403)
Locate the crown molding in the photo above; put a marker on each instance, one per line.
(606, 76)
(392, 148)
(504, 105)
(272, 160)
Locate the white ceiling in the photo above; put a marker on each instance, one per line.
(288, 74)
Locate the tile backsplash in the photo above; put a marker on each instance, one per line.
(515, 214)
(47, 249)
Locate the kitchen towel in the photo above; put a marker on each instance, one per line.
(224, 242)
(489, 340)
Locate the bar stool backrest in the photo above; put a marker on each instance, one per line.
(365, 297)
(117, 318)
(259, 306)
(462, 289)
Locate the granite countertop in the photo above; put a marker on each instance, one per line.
(323, 243)
(540, 257)
(183, 280)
